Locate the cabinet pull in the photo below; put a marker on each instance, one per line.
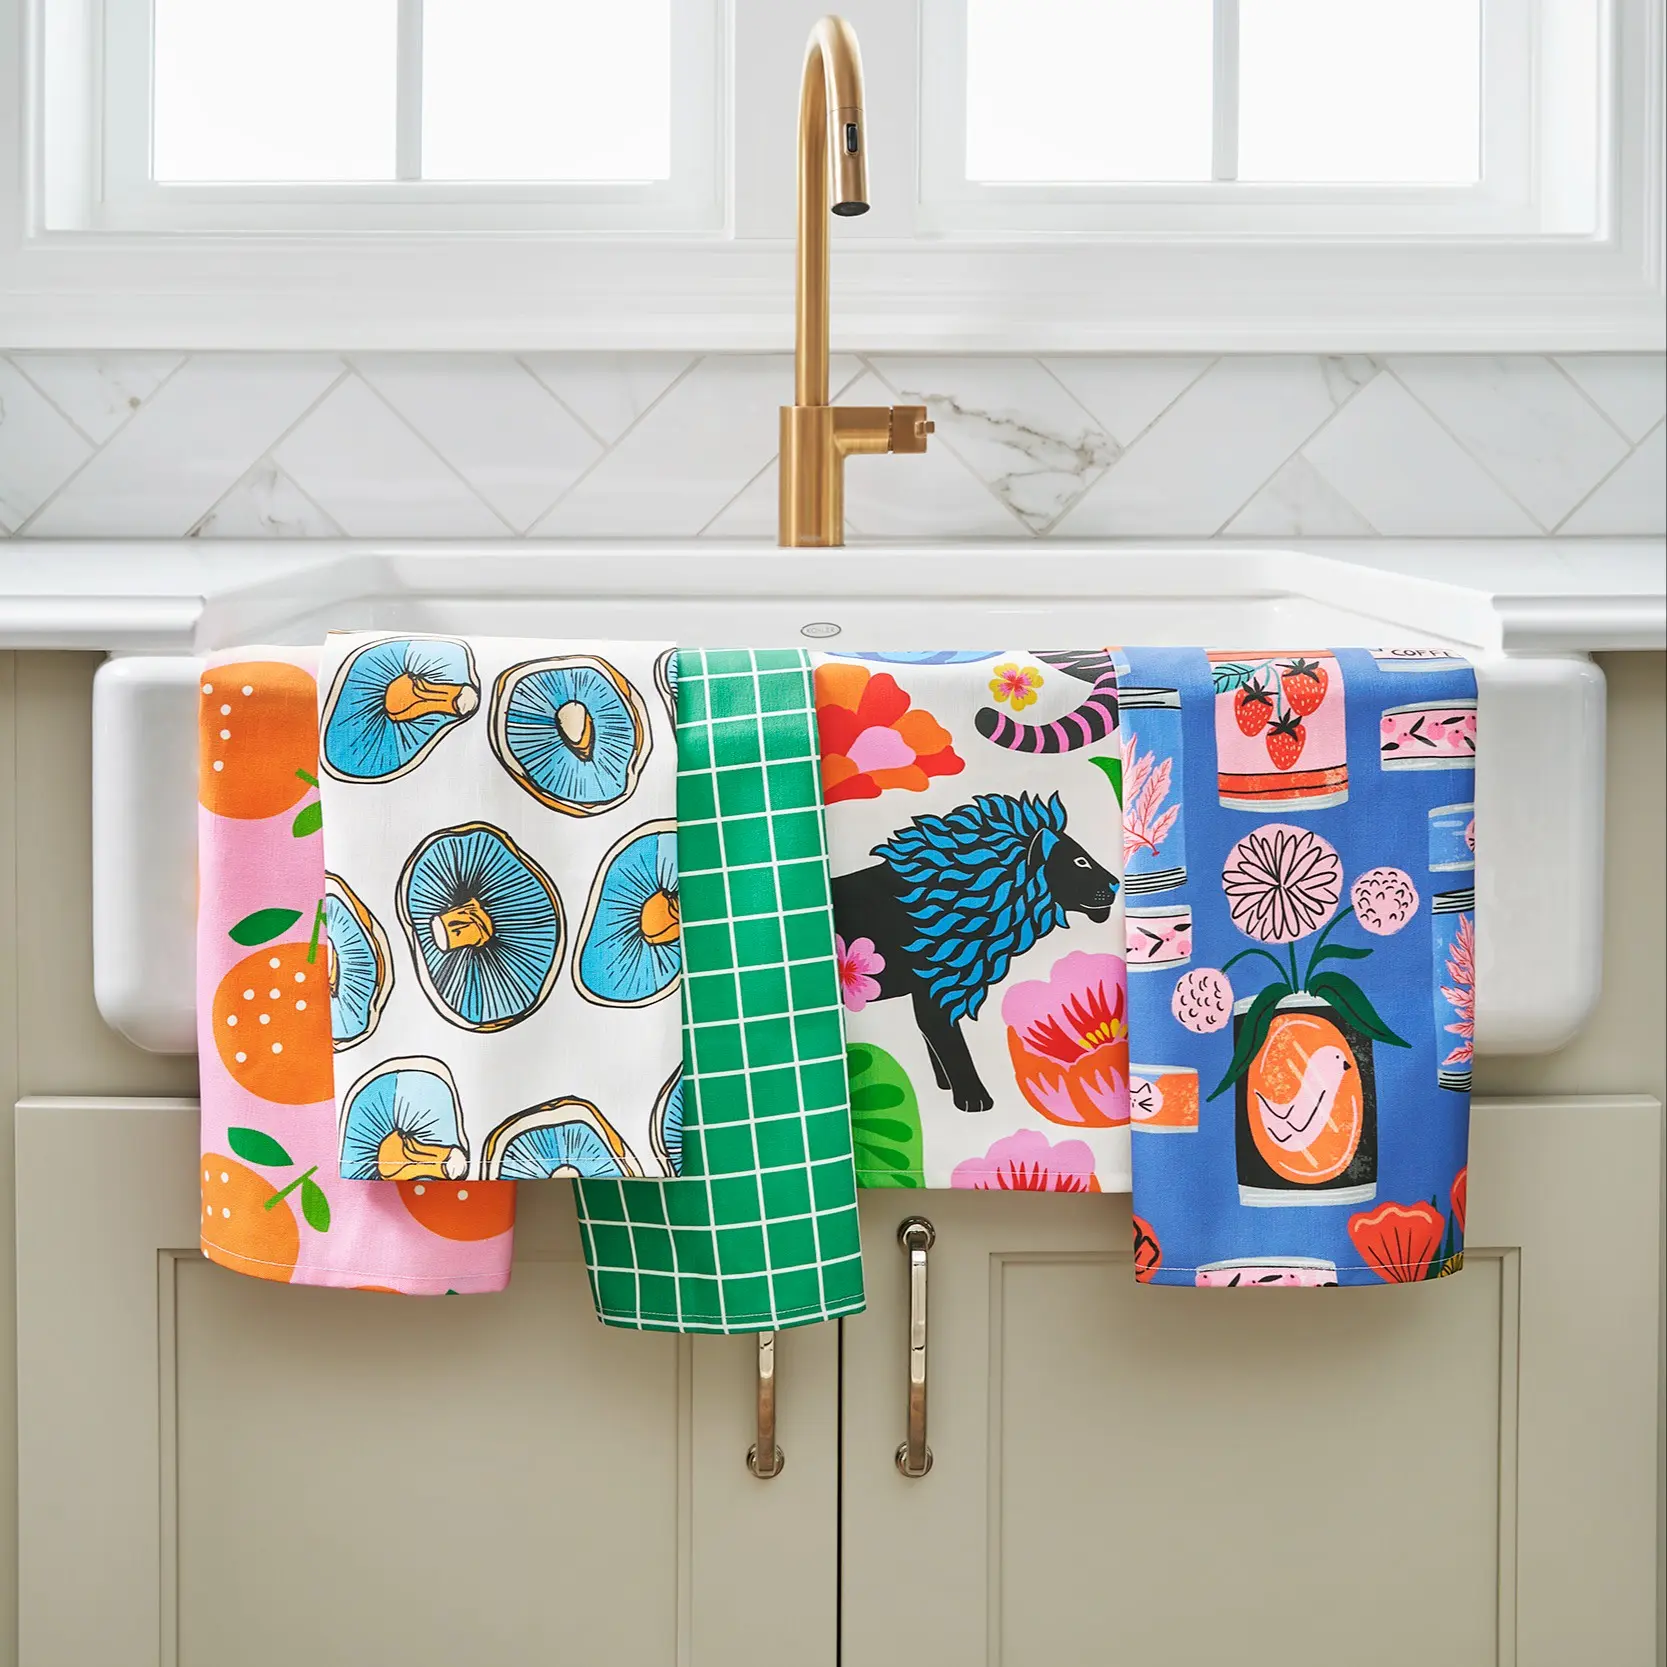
(916, 1235)
(762, 1468)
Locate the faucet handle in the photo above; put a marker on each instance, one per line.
(909, 428)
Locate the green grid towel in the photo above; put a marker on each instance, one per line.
(761, 1230)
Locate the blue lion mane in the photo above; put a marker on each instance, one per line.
(976, 891)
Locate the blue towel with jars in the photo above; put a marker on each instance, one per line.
(1299, 839)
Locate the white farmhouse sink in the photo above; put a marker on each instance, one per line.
(1525, 612)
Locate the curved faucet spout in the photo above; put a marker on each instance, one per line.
(832, 147)
(816, 438)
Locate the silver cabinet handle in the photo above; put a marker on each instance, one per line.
(766, 1467)
(916, 1235)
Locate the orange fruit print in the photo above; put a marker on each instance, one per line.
(258, 728)
(272, 1025)
(1280, 1074)
(464, 1210)
(238, 1231)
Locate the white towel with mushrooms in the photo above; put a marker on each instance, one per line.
(500, 840)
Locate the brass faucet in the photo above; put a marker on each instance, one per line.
(816, 437)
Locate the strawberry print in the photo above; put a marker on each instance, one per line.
(1285, 742)
(1253, 708)
(1303, 683)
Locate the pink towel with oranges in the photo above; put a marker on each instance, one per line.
(273, 1206)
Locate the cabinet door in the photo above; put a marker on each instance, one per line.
(1461, 1472)
(218, 1470)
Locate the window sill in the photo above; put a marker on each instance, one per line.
(525, 292)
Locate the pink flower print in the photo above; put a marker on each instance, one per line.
(1203, 1000)
(857, 962)
(1029, 1162)
(1461, 994)
(1282, 883)
(1470, 835)
(1384, 900)
(1146, 784)
(1068, 1037)
(1016, 685)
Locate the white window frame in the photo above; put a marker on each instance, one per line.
(1202, 282)
(119, 194)
(1504, 200)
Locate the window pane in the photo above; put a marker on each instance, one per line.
(1364, 91)
(274, 89)
(1088, 89)
(547, 89)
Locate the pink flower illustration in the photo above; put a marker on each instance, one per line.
(1069, 1041)
(1281, 882)
(1016, 684)
(1203, 1000)
(857, 962)
(1384, 900)
(1029, 1162)
(1146, 784)
(1068, 1037)
(1461, 993)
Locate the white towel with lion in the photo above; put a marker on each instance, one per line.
(975, 840)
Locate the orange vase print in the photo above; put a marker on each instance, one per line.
(1307, 1109)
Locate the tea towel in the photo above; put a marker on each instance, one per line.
(1301, 1076)
(500, 836)
(974, 830)
(761, 1232)
(268, 992)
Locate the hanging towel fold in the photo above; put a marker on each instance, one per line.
(1302, 974)
(761, 1232)
(973, 818)
(269, 989)
(500, 835)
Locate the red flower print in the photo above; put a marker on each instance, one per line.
(1068, 1038)
(1461, 993)
(1399, 1241)
(1029, 1162)
(1148, 1253)
(872, 739)
(1461, 1195)
(857, 962)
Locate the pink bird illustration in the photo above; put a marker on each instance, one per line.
(1297, 1125)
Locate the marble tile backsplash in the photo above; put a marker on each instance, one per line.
(303, 445)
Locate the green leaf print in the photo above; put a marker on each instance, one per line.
(255, 1146)
(1113, 768)
(1352, 1002)
(262, 927)
(885, 1120)
(315, 1207)
(308, 820)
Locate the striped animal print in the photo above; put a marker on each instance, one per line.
(1091, 722)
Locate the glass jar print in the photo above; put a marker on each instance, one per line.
(1281, 739)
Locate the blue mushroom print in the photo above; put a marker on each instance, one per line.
(361, 966)
(400, 1122)
(561, 1139)
(665, 1128)
(572, 731)
(391, 701)
(630, 946)
(665, 680)
(484, 924)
